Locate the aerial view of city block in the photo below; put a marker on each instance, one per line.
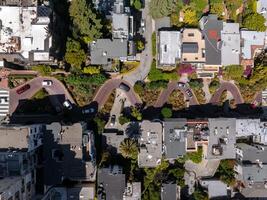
(133, 99)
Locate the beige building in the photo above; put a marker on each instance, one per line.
(193, 46)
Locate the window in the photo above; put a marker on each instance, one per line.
(165, 48)
(196, 58)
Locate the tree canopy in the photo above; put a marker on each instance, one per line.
(128, 148)
(190, 16)
(85, 21)
(166, 112)
(254, 22)
(74, 55)
(161, 8)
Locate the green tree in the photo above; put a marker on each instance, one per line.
(137, 4)
(154, 43)
(85, 21)
(217, 8)
(128, 148)
(226, 172)
(196, 83)
(166, 112)
(254, 22)
(44, 70)
(161, 8)
(136, 114)
(123, 120)
(190, 16)
(200, 194)
(140, 45)
(100, 124)
(74, 55)
(214, 85)
(91, 70)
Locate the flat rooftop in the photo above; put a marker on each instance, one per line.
(169, 47)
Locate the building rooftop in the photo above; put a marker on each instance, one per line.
(216, 188)
(211, 29)
(230, 44)
(169, 191)
(14, 137)
(169, 47)
(193, 46)
(175, 138)
(69, 150)
(111, 183)
(250, 40)
(120, 25)
(112, 141)
(133, 191)
(247, 127)
(102, 51)
(253, 154)
(24, 3)
(222, 138)
(262, 8)
(150, 142)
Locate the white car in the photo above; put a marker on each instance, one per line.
(67, 104)
(47, 83)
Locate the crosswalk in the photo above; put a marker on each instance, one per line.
(4, 102)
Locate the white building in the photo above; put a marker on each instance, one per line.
(24, 33)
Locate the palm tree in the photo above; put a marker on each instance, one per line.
(128, 148)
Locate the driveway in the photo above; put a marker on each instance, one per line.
(110, 85)
(146, 56)
(162, 99)
(35, 85)
(227, 86)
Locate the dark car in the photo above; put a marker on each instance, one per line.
(23, 88)
(89, 111)
(189, 93)
(113, 120)
(124, 87)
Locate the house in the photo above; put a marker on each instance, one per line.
(68, 150)
(111, 140)
(252, 43)
(122, 22)
(216, 189)
(230, 50)
(211, 29)
(133, 191)
(150, 144)
(24, 37)
(222, 138)
(18, 152)
(251, 170)
(104, 51)
(111, 183)
(262, 9)
(67, 193)
(174, 138)
(170, 191)
(4, 103)
(193, 47)
(169, 48)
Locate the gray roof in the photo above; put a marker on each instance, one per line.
(190, 47)
(111, 181)
(112, 141)
(230, 44)
(254, 173)
(120, 25)
(211, 28)
(103, 50)
(169, 191)
(68, 153)
(164, 22)
(216, 188)
(222, 138)
(253, 153)
(174, 138)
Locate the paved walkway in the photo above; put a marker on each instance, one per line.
(206, 89)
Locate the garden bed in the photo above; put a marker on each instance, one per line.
(17, 80)
(177, 100)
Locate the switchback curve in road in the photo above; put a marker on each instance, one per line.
(162, 99)
(105, 90)
(35, 85)
(227, 86)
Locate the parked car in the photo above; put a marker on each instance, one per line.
(23, 88)
(181, 84)
(124, 87)
(189, 93)
(88, 111)
(143, 25)
(113, 120)
(67, 104)
(47, 83)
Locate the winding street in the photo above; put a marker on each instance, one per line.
(141, 72)
(54, 90)
(110, 85)
(171, 87)
(231, 87)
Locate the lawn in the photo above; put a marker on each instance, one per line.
(41, 94)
